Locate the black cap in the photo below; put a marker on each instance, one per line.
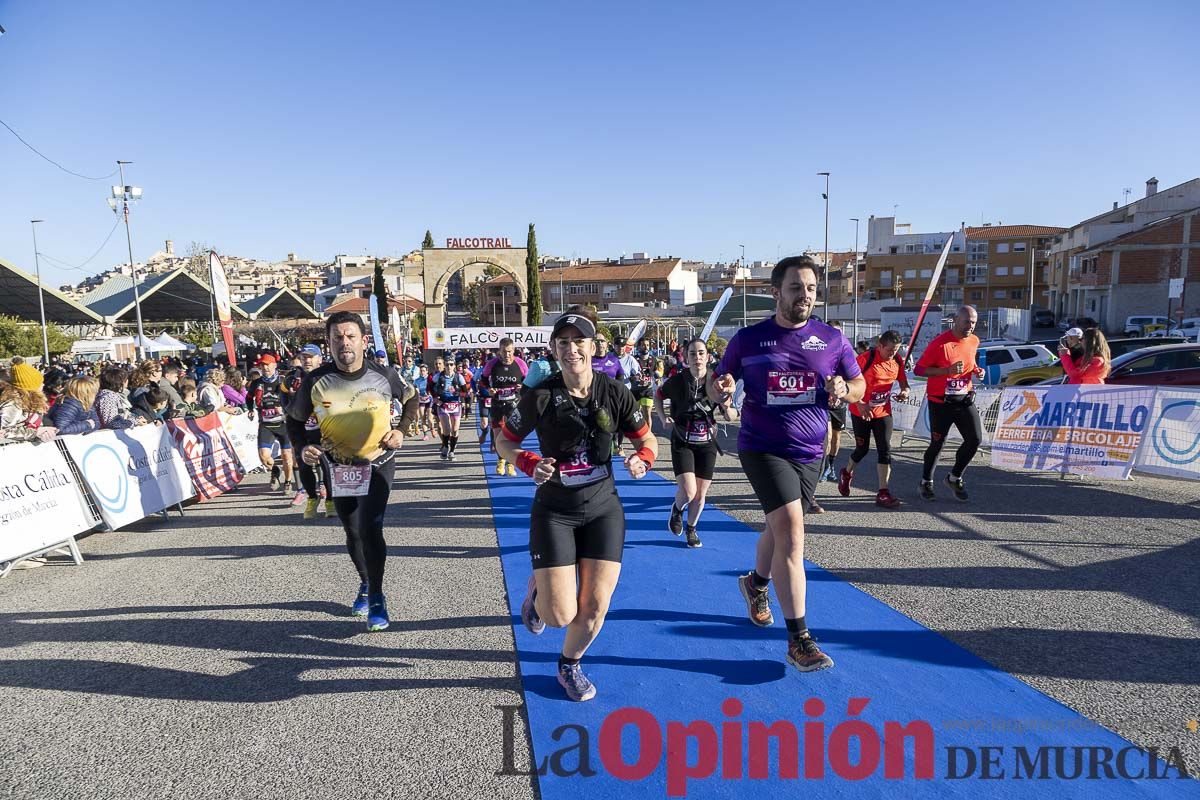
(577, 321)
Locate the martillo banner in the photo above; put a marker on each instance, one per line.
(131, 473)
(1171, 444)
(40, 502)
(454, 338)
(1083, 430)
(208, 454)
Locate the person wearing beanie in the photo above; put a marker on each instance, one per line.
(22, 405)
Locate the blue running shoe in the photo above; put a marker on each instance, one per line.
(529, 616)
(377, 616)
(359, 608)
(576, 684)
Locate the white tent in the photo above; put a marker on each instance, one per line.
(169, 342)
(149, 345)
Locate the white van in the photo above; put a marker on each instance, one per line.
(1136, 326)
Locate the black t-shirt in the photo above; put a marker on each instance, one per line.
(577, 432)
(265, 397)
(503, 382)
(693, 423)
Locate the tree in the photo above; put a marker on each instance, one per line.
(19, 338)
(533, 278)
(197, 260)
(379, 289)
(428, 243)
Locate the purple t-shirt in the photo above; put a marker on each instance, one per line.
(610, 365)
(783, 370)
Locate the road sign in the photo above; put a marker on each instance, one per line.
(1176, 290)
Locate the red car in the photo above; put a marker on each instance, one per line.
(1167, 365)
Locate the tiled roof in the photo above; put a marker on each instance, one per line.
(360, 305)
(657, 270)
(1011, 231)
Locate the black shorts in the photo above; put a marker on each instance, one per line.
(567, 525)
(777, 481)
(500, 411)
(698, 459)
(269, 434)
(837, 417)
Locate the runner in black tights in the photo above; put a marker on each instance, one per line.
(361, 409)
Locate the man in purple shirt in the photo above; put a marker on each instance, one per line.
(794, 369)
(607, 362)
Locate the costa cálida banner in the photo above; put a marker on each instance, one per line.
(130, 473)
(40, 502)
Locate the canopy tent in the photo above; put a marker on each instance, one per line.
(169, 342)
(19, 298)
(279, 303)
(149, 345)
(175, 296)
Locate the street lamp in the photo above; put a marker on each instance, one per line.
(745, 320)
(855, 276)
(41, 300)
(825, 195)
(122, 196)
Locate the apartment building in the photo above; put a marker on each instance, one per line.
(1007, 267)
(841, 274)
(1079, 288)
(899, 264)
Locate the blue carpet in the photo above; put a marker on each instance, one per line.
(677, 645)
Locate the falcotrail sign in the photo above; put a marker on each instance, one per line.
(478, 243)
(485, 338)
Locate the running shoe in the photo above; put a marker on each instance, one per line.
(529, 616)
(512, 471)
(844, 480)
(300, 497)
(692, 539)
(286, 488)
(330, 511)
(451, 456)
(377, 616)
(310, 508)
(361, 600)
(445, 453)
(814, 508)
(576, 684)
(959, 490)
(424, 437)
(804, 655)
(758, 605)
(927, 490)
(675, 523)
(886, 499)
(831, 474)
(500, 466)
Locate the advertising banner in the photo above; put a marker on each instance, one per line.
(208, 454)
(455, 338)
(912, 326)
(243, 435)
(1171, 443)
(1084, 430)
(130, 473)
(40, 501)
(220, 288)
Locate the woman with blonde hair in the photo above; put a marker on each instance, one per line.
(22, 405)
(1093, 365)
(211, 397)
(74, 412)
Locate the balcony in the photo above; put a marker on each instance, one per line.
(976, 280)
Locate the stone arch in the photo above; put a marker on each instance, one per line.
(439, 287)
(441, 265)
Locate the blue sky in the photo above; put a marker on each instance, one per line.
(685, 128)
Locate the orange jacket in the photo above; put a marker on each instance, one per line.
(1095, 371)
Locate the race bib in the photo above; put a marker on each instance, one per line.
(579, 471)
(487, 402)
(311, 424)
(880, 397)
(794, 388)
(272, 415)
(450, 408)
(698, 431)
(350, 480)
(958, 386)
(506, 393)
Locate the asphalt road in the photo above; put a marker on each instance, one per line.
(213, 656)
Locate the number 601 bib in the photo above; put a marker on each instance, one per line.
(792, 388)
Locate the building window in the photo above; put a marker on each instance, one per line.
(1001, 272)
(976, 295)
(910, 295)
(1002, 248)
(893, 250)
(926, 273)
(914, 248)
(952, 277)
(977, 273)
(999, 294)
(643, 289)
(885, 278)
(610, 291)
(1019, 247)
(1017, 294)
(952, 295)
(910, 273)
(977, 251)
(583, 288)
(1018, 270)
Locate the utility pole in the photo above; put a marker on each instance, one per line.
(41, 300)
(825, 310)
(854, 277)
(126, 194)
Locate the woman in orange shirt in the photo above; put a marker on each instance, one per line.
(873, 416)
(1091, 367)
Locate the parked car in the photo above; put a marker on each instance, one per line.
(1029, 376)
(1043, 318)
(1081, 322)
(1136, 326)
(1188, 328)
(1001, 359)
(1166, 365)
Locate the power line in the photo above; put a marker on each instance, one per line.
(52, 161)
(64, 265)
